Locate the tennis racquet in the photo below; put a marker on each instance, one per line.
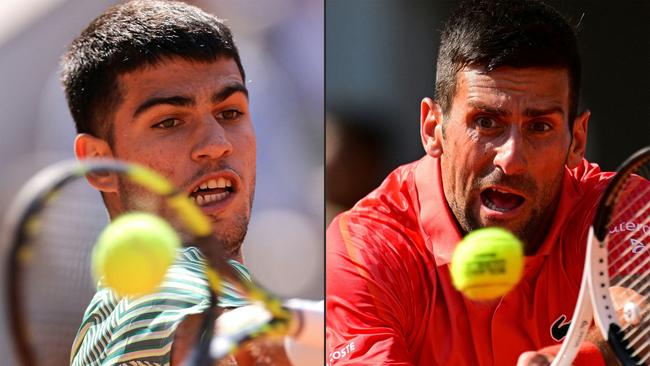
(50, 228)
(615, 287)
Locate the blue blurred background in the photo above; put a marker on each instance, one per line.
(380, 62)
(281, 46)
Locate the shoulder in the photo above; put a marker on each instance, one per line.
(585, 185)
(390, 208)
(583, 188)
(395, 191)
(379, 240)
(386, 217)
(588, 178)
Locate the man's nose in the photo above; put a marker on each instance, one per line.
(510, 155)
(211, 141)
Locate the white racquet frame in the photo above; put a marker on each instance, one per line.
(583, 314)
(595, 284)
(594, 299)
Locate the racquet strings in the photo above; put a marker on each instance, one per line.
(628, 243)
(55, 283)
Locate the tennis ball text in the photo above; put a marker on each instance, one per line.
(485, 264)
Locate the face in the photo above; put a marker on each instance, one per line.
(190, 122)
(503, 147)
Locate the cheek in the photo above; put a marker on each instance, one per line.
(159, 157)
(550, 176)
(245, 141)
(453, 178)
(548, 168)
(243, 158)
(252, 148)
(463, 144)
(468, 161)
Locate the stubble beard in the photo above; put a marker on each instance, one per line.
(531, 231)
(136, 198)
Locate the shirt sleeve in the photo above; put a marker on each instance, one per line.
(367, 313)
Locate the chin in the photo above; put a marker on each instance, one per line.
(517, 228)
(230, 233)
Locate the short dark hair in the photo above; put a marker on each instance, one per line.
(516, 33)
(127, 37)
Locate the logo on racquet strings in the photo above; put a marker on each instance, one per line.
(637, 246)
(625, 227)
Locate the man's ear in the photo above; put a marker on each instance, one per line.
(90, 147)
(431, 127)
(579, 140)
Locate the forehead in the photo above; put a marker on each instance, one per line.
(177, 76)
(513, 86)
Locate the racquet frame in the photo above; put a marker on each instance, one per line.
(594, 299)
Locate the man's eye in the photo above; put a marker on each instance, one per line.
(168, 123)
(540, 126)
(229, 115)
(485, 122)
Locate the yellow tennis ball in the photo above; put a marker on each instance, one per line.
(487, 263)
(134, 252)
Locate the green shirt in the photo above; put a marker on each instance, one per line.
(140, 330)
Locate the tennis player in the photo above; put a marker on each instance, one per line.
(161, 83)
(505, 145)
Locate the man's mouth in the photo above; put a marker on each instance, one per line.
(500, 200)
(212, 190)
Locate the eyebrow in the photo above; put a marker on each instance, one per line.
(528, 112)
(185, 101)
(229, 90)
(532, 112)
(487, 109)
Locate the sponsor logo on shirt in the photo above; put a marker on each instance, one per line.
(341, 353)
(559, 328)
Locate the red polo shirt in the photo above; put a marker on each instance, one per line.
(390, 299)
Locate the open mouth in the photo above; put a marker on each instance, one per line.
(213, 190)
(500, 200)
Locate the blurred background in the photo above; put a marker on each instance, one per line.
(281, 46)
(380, 62)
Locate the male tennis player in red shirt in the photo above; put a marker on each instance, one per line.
(505, 146)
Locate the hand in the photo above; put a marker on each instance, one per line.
(185, 339)
(534, 358)
(259, 352)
